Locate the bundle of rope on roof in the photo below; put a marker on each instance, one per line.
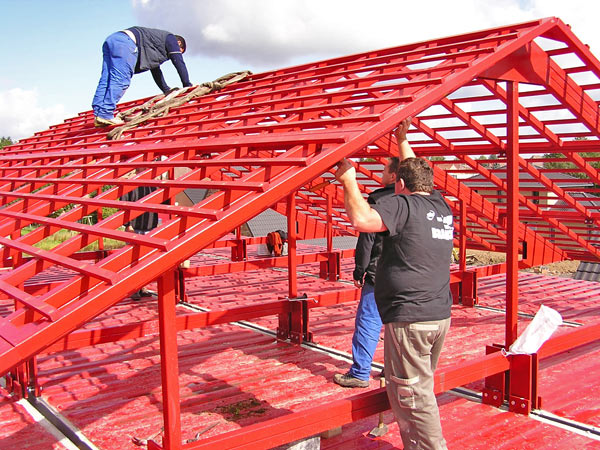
(161, 104)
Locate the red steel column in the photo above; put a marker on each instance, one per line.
(291, 223)
(329, 223)
(462, 250)
(169, 363)
(512, 246)
(297, 315)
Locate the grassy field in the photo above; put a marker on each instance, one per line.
(63, 235)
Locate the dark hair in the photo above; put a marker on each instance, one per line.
(181, 41)
(393, 163)
(417, 175)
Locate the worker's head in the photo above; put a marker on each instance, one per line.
(414, 175)
(181, 42)
(389, 171)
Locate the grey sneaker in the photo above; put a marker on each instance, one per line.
(347, 380)
(100, 122)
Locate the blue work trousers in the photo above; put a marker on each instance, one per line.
(119, 56)
(367, 327)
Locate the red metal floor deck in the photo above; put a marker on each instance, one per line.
(233, 376)
(19, 431)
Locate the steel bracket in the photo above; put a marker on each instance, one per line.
(494, 391)
(523, 383)
(331, 268)
(239, 250)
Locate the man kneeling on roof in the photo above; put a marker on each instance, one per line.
(134, 50)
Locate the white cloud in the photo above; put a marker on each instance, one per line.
(275, 32)
(21, 115)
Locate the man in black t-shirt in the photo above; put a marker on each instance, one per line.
(412, 288)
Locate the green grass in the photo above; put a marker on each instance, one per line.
(63, 235)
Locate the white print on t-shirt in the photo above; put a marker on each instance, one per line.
(446, 233)
(430, 214)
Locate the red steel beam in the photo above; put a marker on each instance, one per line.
(512, 244)
(169, 361)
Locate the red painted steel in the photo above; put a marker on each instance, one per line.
(512, 245)
(96, 387)
(19, 431)
(273, 141)
(169, 361)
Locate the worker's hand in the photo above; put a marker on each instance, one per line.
(345, 171)
(129, 228)
(358, 283)
(400, 132)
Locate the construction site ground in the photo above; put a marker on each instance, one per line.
(238, 374)
(560, 268)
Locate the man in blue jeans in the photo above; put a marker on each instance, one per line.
(367, 324)
(412, 288)
(134, 50)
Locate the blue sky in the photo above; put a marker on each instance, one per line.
(52, 49)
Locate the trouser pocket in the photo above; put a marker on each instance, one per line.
(404, 388)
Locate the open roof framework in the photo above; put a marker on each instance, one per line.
(523, 96)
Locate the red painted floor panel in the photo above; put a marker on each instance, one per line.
(467, 425)
(576, 300)
(568, 384)
(19, 431)
(231, 376)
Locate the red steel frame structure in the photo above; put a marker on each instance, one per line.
(523, 96)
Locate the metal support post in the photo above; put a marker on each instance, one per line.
(468, 288)
(297, 312)
(169, 363)
(523, 384)
(462, 247)
(290, 323)
(512, 246)
(292, 263)
(307, 335)
(33, 387)
(455, 292)
(180, 294)
(331, 269)
(283, 326)
(329, 223)
(239, 251)
(494, 391)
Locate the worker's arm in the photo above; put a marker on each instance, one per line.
(362, 257)
(177, 59)
(160, 80)
(362, 216)
(404, 147)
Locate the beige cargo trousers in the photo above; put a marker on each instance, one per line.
(412, 351)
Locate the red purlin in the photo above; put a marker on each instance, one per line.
(272, 141)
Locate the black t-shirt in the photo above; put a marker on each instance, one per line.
(413, 274)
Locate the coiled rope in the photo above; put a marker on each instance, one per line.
(161, 104)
